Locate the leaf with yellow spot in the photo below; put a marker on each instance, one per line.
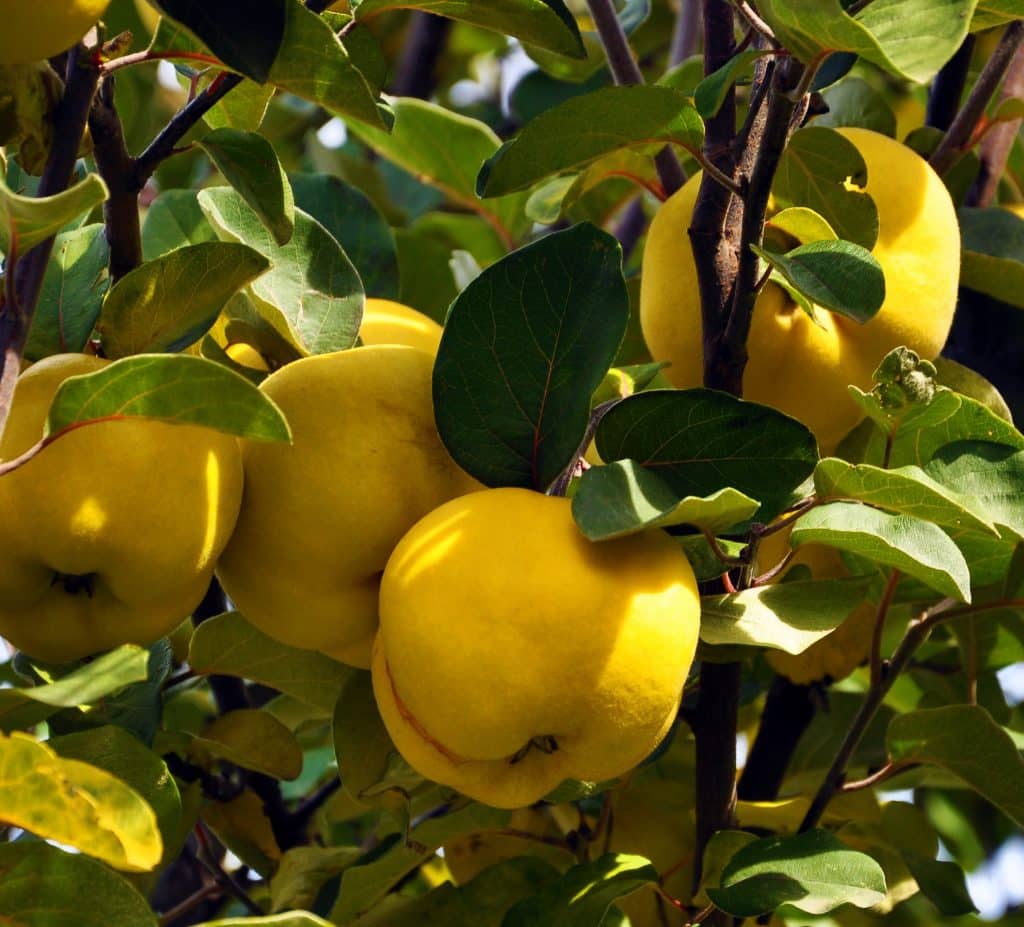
(76, 804)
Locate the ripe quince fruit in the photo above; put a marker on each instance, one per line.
(839, 653)
(321, 516)
(513, 653)
(110, 534)
(388, 322)
(33, 31)
(800, 365)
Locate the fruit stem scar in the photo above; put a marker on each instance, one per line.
(546, 743)
(414, 723)
(73, 584)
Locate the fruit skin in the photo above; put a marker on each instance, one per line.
(514, 654)
(800, 367)
(838, 654)
(146, 506)
(321, 516)
(33, 31)
(387, 322)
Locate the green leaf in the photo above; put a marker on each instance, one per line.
(582, 896)
(251, 739)
(303, 871)
(824, 171)
(909, 38)
(524, 347)
(855, 102)
(814, 871)
(115, 750)
(312, 294)
(547, 24)
(915, 547)
(575, 133)
(703, 559)
(249, 163)
(76, 804)
(989, 13)
(993, 253)
(170, 302)
(248, 44)
(84, 686)
(41, 886)
(965, 741)
(908, 490)
(805, 225)
(789, 616)
(368, 762)
(72, 294)
(172, 221)
(25, 221)
(363, 233)
(990, 475)
(837, 275)
(229, 646)
(445, 150)
(364, 885)
(942, 883)
(700, 441)
(973, 385)
(622, 498)
(711, 91)
(287, 919)
(180, 389)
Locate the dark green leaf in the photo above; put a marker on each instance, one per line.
(989, 13)
(524, 347)
(575, 133)
(25, 221)
(622, 498)
(789, 616)
(249, 163)
(174, 388)
(814, 171)
(993, 253)
(582, 896)
(248, 43)
(942, 883)
(990, 475)
(917, 548)
(363, 233)
(700, 441)
(964, 740)
(837, 275)
(854, 102)
(711, 91)
(72, 294)
(814, 871)
(42, 886)
(312, 294)
(170, 302)
(545, 23)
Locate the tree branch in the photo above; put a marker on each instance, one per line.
(686, 32)
(962, 128)
(626, 71)
(115, 165)
(81, 78)
(998, 141)
(415, 75)
(948, 87)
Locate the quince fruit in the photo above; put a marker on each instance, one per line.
(111, 533)
(513, 653)
(838, 654)
(33, 31)
(800, 365)
(387, 322)
(321, 516)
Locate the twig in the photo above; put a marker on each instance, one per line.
(415, 75)
(146, 56)
(224, 878)
(992, 74)
(685, 33)
(998, 141)
(81, 78)
(889, 770)
(757, 23)
(877, 667)
(193, 901)
(115, 165)
(717, 550)
(626, 71)
(630, 227)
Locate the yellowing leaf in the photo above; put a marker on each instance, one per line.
(253, 740)
(76, 804)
